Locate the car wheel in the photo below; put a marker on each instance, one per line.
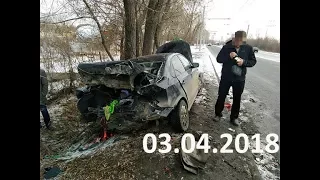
(180, 117)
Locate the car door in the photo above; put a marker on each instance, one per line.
(194, 74)
(184, 78)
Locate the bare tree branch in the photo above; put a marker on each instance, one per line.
(83, 17)
(154, 10)
(100, 29)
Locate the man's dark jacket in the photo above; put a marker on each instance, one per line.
(245, 52)
(43, 87)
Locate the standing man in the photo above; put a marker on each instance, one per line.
(235, 57)
(43, 99)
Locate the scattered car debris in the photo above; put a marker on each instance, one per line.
(197, 159)
(229, 164)
(231, 130)
(252, 100)
(52, 157)
(51, 172)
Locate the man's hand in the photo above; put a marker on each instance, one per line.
(240, 62)
(232, 55)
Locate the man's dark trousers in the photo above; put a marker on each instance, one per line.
(45, 114)
(237, 90)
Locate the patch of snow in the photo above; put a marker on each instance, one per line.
(54, 111)
(61, 67)
(269, 57)
(244, 119)
(266, 163)
(204, 58)
(269, 53)
(57, 86)
(201, 97)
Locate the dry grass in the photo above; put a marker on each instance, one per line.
(68, 129)
(121, 157)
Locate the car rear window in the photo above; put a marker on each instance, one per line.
(185, 62)
(177, 65)
(152, 67)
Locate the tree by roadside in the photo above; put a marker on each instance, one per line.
(132, 27)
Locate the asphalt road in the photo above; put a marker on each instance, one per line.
(263, 82)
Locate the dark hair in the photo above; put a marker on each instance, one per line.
(240, 34)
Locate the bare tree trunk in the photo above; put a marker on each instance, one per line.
(71, 73)
(186, 36)
(195, 31)
(153, 15)
(130, 29)
(160, 24)
(141, 20)
(137, 32)
(156, 35)
(100, 29)
(122, 44)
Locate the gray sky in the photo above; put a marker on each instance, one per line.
(262, 15)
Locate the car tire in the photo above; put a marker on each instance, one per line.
(180, 117)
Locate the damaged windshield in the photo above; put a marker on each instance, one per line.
(151, 67)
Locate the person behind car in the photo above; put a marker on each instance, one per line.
(43, 99)
(233, 73)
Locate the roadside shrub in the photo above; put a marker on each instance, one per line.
(266, 44)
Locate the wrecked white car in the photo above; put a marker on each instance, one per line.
(146, 88)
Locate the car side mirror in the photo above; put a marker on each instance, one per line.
(195, 65)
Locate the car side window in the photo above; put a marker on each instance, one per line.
(177, 65)
(185, 62)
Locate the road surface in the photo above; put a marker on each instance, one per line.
(263, 82)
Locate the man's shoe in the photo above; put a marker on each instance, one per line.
(217, 118)
(49, 127)
(235, 122)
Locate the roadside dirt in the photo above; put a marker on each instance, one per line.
(125, 158)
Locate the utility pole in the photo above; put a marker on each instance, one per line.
(248, 30)
(266, 32)
(202, 27)
(271, 23)
(197, 39)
